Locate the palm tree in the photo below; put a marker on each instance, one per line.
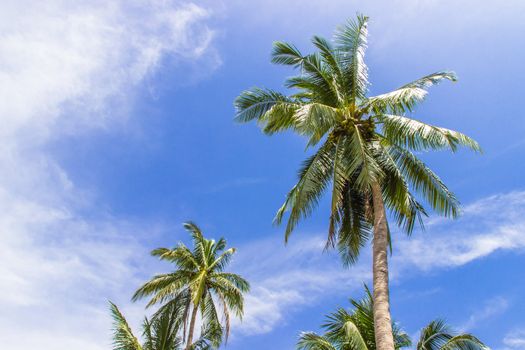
(200, 280)
(355, 331)
(365, 158)
(352, 330)
(161, 332)
(437, 335)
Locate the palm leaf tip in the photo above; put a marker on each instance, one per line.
(286, 54)
(123, 338)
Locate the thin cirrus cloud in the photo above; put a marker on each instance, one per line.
(486, 226)
(494, 306)
(286, 278)
(67, 67)
(515, 339)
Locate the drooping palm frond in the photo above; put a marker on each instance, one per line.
(123, 338)
(162, 331)
(426, 182)
(354, 226)
(314, 177)
(211, 337)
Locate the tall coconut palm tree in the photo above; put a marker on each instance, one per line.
(161, 332)
(200, 280)
(364, 157)
(354, 330)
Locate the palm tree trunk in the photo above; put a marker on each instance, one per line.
(382, 320)
(192, 326)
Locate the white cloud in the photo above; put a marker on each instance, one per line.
(515, 339)
(487, 225)
(491, 308)
(66, 67)
(299, 275)
(286, 278)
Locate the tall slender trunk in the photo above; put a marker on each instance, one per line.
(382, 320)
(192, 326)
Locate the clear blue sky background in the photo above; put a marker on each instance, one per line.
(175, 154)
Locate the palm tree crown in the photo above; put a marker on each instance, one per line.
(199, 281)
(437, 335)
(161, 332)
(363, 140)
(354, 330)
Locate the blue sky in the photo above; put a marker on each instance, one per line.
(116, 127)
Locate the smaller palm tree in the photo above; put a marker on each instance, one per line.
(437, 335)
(161, 332)
(354, 330)
(199, 281)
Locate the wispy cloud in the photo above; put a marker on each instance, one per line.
(299, 275)
(515, 339)
(286, 278)
(495, 306)
(235, 183)
(487, 225)
(66, 67)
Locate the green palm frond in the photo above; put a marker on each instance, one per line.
(235, 280)
(355, 340)
(312, 341)
(416, 135)
(464, 342)
(437, 335)
(426, 182)
(273, 110)
(332, 58)
(162, 331)
(315, 120)
(351, 40)
(181, 256)
(163, 286)
(123, 338)
(286, 54)
(313, 179)
(407, 96)
(360, 160)
(355, 227)
(223, 260)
